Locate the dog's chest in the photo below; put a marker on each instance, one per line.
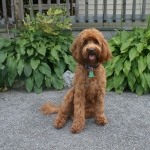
(92, 86)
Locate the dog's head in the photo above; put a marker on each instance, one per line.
(90, 48)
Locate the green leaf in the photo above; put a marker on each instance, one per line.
(60, 68)
(45, 69)
(37, 90)
(139, 89)
(29, 84)
(131, 81)
(64, 47)
(12, 69)
(139, 47)
(38, 76)
(107, 64)
(22, 42)
(147, 35)
(144, 82)
(120, 89)
(5, 42)
(34, 63)
(35, 44)
(48, 82)
(72, 64)
(57, 83)
(27, 69)
(22, 50)
(4, 71)
(2, 67)
(18, 57)
(109, 72)
(148, 60)
(58, 48)
(66, 58)
(31, 38)
(114, 60)
(118, 79)
(142, 64)
(110, 85)
(136, 73)
(30, 51)
(147, 77)
(20, 66)
(41, 49)
(115, 41)
(3, 56)
(133, 53)
(147, 47)
(125, 35)
(119, 66)
(112, 48)
(127, 67)
(54, 54)
(125, 46)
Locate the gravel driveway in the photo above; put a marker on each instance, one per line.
(23, 127)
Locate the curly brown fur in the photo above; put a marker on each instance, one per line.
(86, 98)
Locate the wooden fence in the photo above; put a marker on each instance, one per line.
(19, 8)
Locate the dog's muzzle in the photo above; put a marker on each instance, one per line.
(91, 54)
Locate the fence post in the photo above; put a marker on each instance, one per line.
(133, 10)
(114, 10)
(49, 3)
(58, 2)
(40, 6)
(77, 10)
(124, 11)
(95, 10)
(31, 8)
(105, 11)
(143, 10)
(67, 5)
(86, 10)
(19, 13)
(5, 11)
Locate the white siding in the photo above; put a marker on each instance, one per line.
(110, 7)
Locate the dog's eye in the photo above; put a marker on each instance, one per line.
(85, 42)
(95, 41)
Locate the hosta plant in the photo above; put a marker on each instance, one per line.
(8, 62)
(39, 56)
(130, 65)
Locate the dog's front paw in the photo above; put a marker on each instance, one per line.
(60, 122)
(101, 120)
(77, 127)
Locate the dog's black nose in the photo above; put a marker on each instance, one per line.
(91, 50)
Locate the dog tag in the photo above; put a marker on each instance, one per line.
(91, 74)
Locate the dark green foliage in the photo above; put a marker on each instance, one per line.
(36, 57)
(130, 65)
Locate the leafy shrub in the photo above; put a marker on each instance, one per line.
(130, 66)
(56, 19)
(40, 55)
(8, 69)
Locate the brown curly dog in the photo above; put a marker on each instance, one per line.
(86, 98)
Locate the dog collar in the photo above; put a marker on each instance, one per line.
(91, 66)
(91, 73)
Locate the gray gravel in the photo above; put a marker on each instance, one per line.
(23, 127)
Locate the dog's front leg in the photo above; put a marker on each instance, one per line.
(99, 108)
(79, 111)
(65, 109)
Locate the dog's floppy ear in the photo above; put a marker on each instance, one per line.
(76, 49)
(106, 53)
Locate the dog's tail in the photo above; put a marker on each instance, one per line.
(49, 108)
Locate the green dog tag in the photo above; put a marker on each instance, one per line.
(91, 74)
